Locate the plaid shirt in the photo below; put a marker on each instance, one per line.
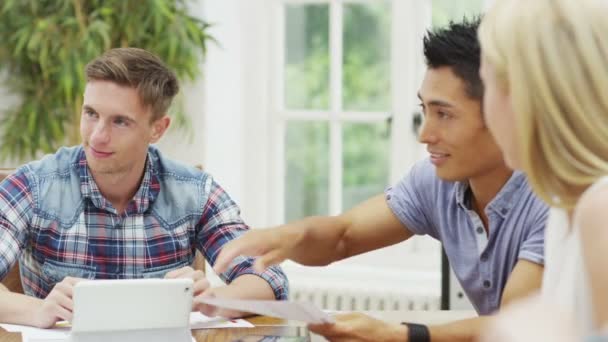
(96, 242)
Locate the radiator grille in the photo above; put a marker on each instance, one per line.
(359, 299)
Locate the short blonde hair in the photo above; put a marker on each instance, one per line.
(552, 58)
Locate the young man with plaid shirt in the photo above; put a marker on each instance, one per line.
(115, 207)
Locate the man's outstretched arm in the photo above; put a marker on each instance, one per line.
(320, 240)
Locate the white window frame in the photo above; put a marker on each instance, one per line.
(243, 130)
(402, 106)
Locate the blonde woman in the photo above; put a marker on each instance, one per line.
(545, 69)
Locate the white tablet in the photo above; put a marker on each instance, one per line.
(131, 304)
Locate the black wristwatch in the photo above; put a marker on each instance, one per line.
(417, 332)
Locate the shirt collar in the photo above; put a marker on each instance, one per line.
(148, 191)
(504, 199)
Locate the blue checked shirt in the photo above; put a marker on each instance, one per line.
(56, 223)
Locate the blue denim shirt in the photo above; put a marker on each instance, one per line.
(482, 263)
(53, 216)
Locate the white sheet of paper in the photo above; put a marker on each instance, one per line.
(36, 332)
(36, 337)
(297, 311)
(33, 338)
(197, 321)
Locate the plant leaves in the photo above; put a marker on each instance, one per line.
(47, 43)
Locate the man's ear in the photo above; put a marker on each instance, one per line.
(159, 127)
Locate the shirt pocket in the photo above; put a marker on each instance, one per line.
(54, 272)
(161, 271)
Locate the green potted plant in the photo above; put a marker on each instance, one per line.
(47, 43)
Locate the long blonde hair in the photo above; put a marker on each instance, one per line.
(552, 57)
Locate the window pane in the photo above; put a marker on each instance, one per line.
(366, 59)
(307, 169)
(365, 161)
(446, 10)
(307, 56)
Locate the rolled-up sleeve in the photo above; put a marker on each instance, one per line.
(533, 247)
(409, 199)
(220, 223)
(16, 209)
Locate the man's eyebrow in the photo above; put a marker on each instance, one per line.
(112, 117)
(122, 117)
(439, 103)
(87, 107)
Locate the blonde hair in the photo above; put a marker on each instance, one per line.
(552, 57)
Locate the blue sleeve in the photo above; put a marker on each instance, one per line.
(533, 247)
(411, 199)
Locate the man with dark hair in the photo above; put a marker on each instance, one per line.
(115, 207)
(486, 216)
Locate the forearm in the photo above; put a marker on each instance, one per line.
(320, 240)
(247, 286)
(17, 308)
(463, 330)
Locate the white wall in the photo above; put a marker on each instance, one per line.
(236, 121)
(186, 144)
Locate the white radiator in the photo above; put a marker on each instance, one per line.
(389, 279)
(401, 277)
(361, 298)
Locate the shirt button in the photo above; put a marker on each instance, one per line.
(504, 211)
(388, 197)
(487, 284)
(480, 230)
